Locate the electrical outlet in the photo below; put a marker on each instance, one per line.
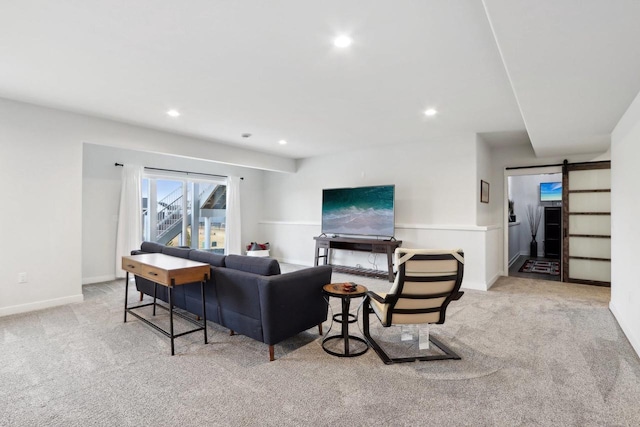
(22, 277)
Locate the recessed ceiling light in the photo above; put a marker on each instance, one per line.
(282, 142)
(430, 112)
(342, 41)
(173, 113)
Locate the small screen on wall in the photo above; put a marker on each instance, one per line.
(550, 191)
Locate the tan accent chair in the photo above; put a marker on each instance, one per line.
(426, 282)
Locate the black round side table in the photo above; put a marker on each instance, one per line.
(339, 290)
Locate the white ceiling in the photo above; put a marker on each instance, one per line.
(269, 68)
(574, 66)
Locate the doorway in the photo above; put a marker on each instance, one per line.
(535, 225)
(583, 230)
(183, 211)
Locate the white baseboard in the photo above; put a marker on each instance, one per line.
(514, 259)
(494, 279)
(98, 279)
(39, 305)
(477, 286)
(634, 340)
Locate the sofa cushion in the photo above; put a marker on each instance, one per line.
(216, 260)
(177, 252)
(151, 247)
(256, 265)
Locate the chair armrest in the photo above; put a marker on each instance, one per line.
(457, 296)
(376, 297)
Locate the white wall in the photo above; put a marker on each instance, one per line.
(41, 174)
(625, 228)
(484, 168)
(101, 198)
(484, 214)
(434, 181)
(514, 241)
(436, 202)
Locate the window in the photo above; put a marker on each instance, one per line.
(179, 210)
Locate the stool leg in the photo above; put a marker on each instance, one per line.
(345, 324)
(204, 313)
(170, 290)
(126, 291)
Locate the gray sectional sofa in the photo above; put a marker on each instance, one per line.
(248, 295)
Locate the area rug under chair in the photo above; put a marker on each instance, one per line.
(541, 267)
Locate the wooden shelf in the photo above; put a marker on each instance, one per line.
(376, 246)
(552, 231)
(380, 274)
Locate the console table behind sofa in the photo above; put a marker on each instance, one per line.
(248, 295)
(356, 244)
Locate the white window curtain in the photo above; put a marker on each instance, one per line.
(129, 234)
(233, 228)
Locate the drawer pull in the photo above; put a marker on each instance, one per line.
(153, 274)
(131, 266)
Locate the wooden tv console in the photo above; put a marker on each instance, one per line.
(355, 244)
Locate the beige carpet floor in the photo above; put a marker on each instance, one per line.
(533, 353)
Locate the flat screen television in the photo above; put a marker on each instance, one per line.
(360, 211)
(550, 191)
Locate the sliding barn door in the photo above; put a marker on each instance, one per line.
(586, 203)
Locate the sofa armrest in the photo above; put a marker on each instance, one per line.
(238, 300)
(293, 302)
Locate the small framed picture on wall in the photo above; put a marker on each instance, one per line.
(484, 191)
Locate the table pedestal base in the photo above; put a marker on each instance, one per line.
(345, 318)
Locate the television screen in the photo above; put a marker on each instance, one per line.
(550, 191)
(367, 211)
